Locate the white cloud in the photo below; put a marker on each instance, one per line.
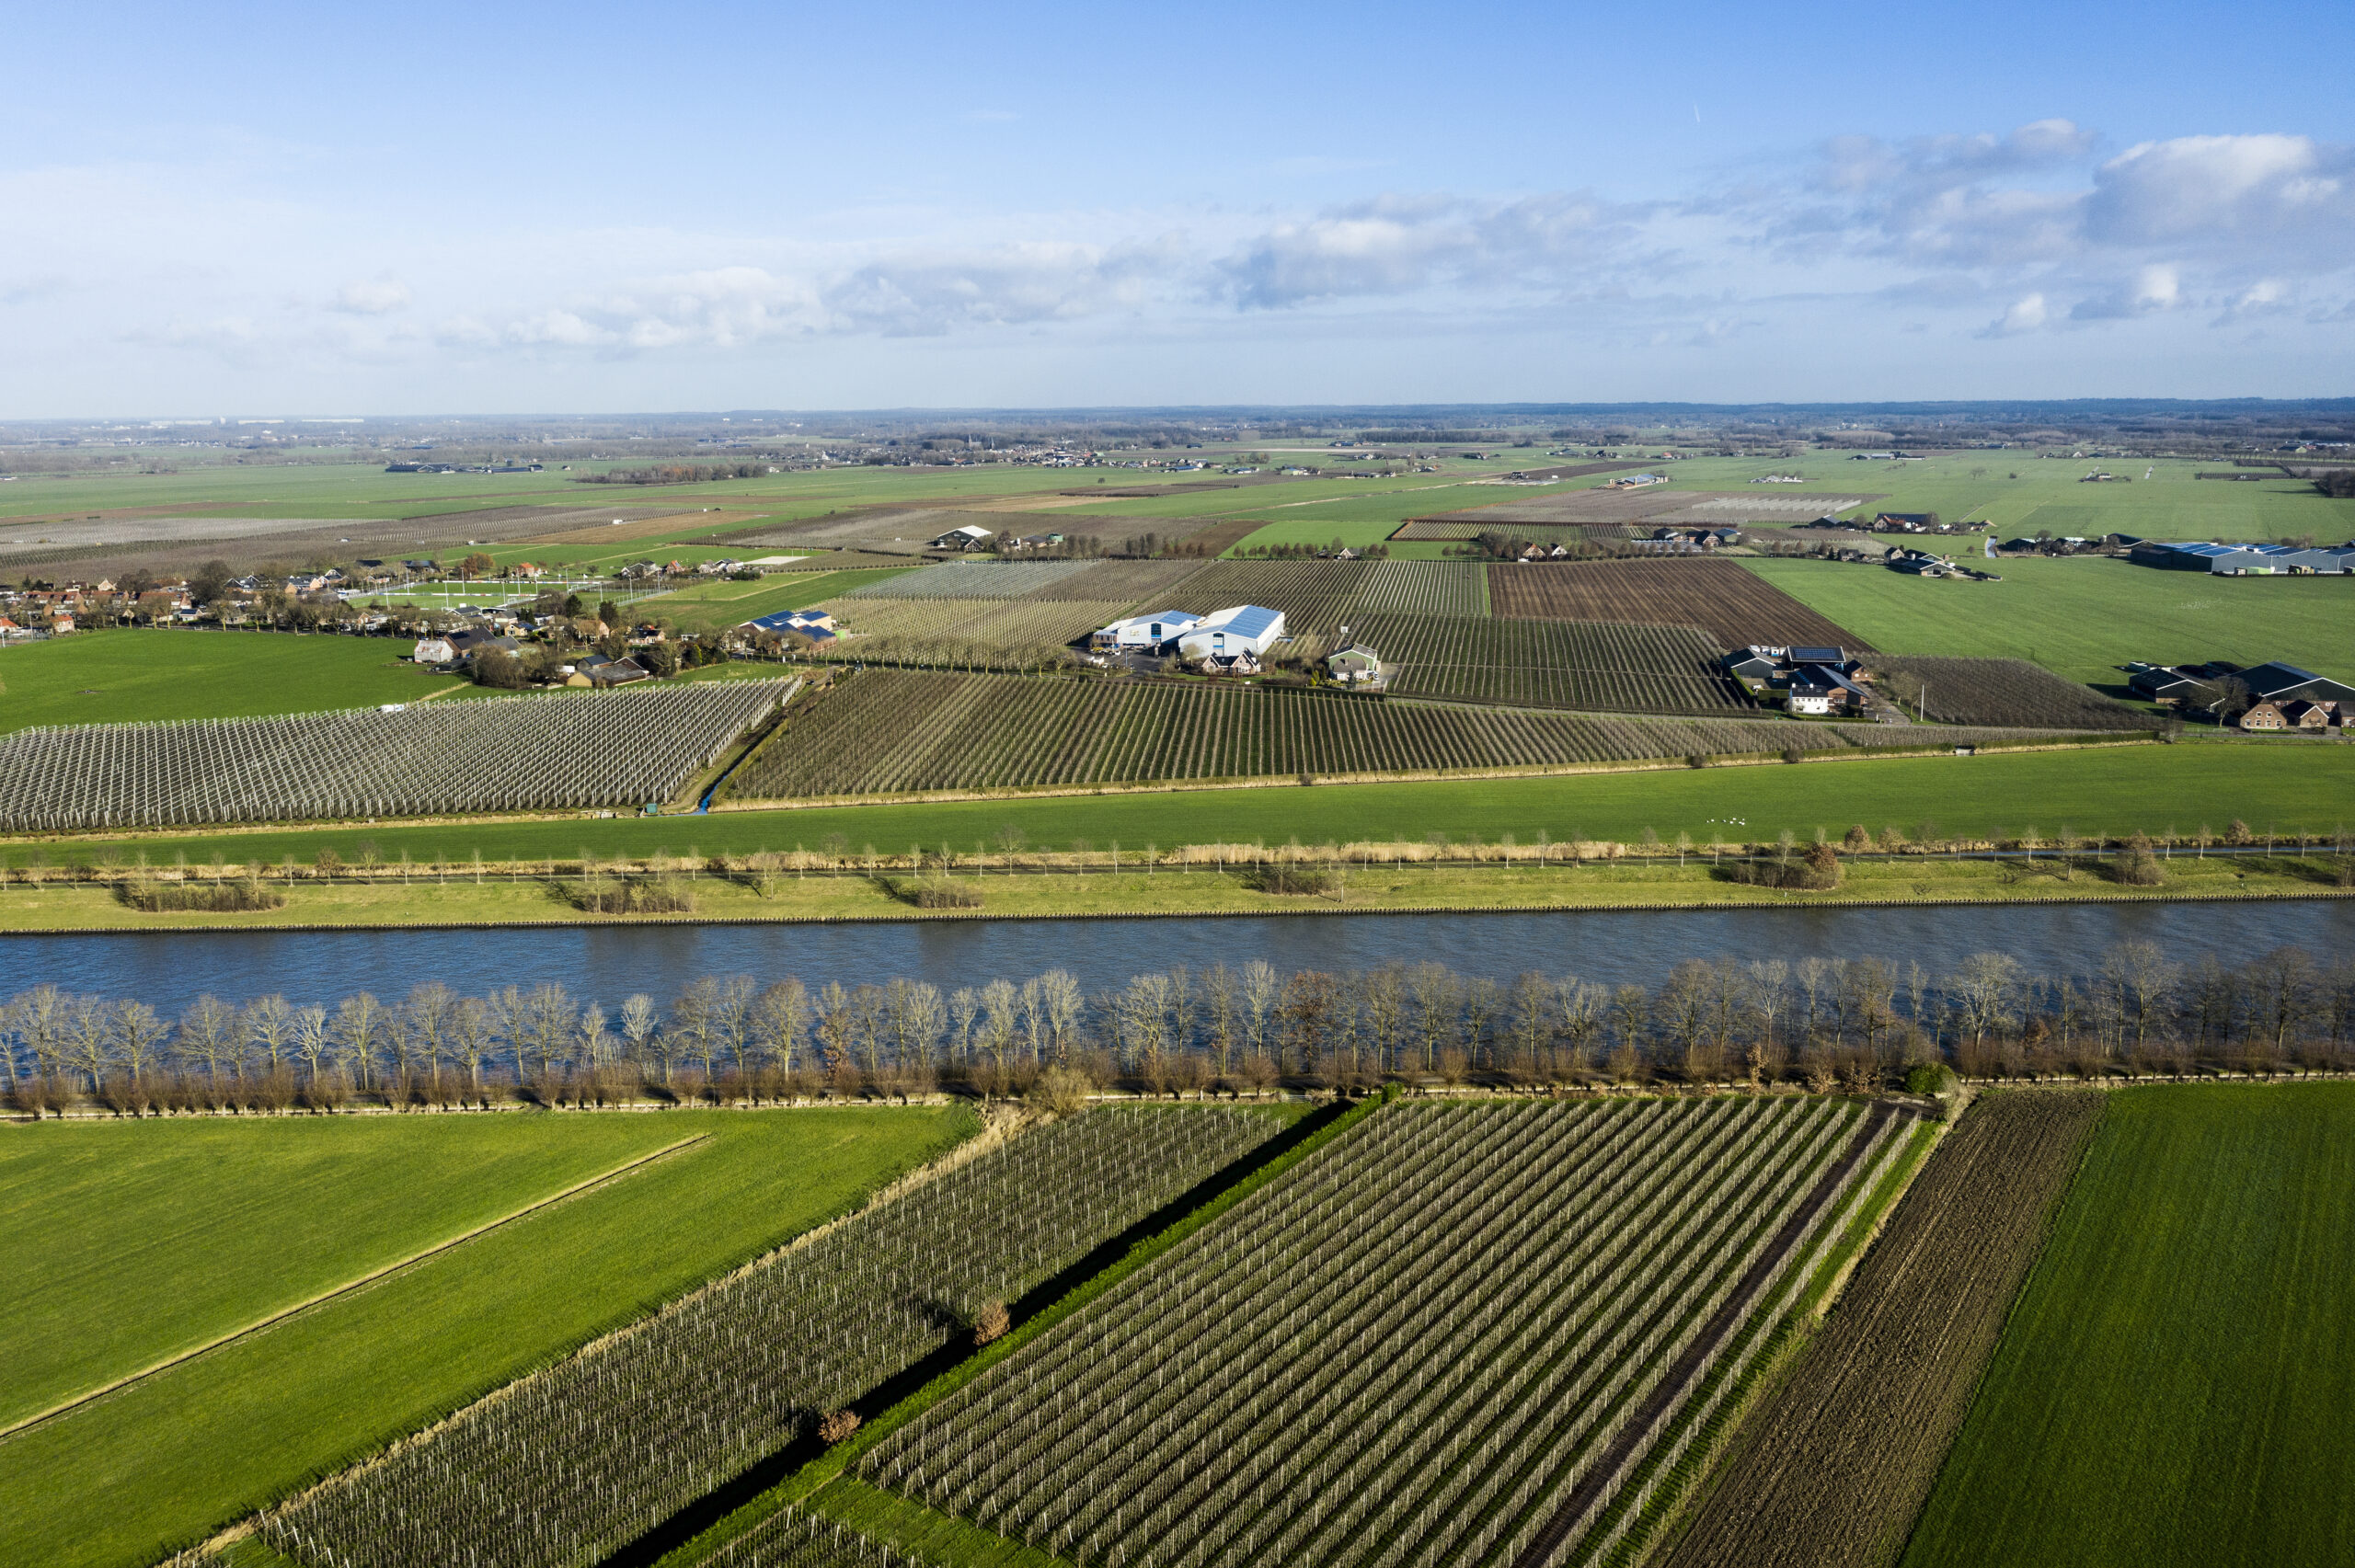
(1397, 244)
(2027, 313)
(2213, 188)
(381, 296)
(2154, 288)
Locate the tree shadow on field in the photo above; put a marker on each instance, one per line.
(798, 1450)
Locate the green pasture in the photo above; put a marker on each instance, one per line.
(156, 1236)
(2174, 1385)
(714, 605)
(2292, 785)
(142, 674)
(2084, 617)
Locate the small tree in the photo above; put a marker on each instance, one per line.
(836, 1425)
(991, 1323)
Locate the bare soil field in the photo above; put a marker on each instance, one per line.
(1720, 596)
(1832, 1470)
(1656, 505)
(182, 544)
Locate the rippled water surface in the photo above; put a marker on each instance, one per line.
(168, 970)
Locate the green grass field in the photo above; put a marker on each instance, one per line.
(119, 676)
(2295, 785)
(139, 1239)
(2083, 618)
(2174, 1385)
(716, 605)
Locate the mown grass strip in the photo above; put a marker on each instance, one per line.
(1275, 1159)
(346, 1288)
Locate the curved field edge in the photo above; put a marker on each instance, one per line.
(1832, 1466)
(2172, 1386)
(1274, 1158)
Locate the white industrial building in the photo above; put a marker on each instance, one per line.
(1143, 632)
(1239, 628)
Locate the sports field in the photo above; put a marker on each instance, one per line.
(156, 1238)
(2083, 618)
(145, 674)
(2174, 1386)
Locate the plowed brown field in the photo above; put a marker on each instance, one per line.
(1731, 604)
(1831, 1471)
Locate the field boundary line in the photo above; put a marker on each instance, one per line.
(348, 1286)
(994, 1132)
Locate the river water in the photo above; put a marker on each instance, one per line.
(168, 970)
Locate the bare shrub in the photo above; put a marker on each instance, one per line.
(836, 1425)
(991, 1323)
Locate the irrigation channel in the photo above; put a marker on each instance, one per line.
(168, 970)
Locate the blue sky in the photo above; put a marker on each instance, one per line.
(508, 208)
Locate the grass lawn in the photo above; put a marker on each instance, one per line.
(713, 605)
(2174, 1385)
(117, 676)
(184, 1228)
(2292, 785)
(2083, 618)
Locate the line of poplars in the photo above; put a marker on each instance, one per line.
(1861, 1024)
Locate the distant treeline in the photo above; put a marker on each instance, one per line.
(676, 473)
(1864, 1023)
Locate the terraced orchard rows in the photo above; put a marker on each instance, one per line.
(883, 730)
(565, 1467)
(1727, 600)
(620, 747)
(1459, 1336)
(1570, 664)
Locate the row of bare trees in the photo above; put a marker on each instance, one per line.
(1246, 1026)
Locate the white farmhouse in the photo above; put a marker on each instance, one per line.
(1239, 628)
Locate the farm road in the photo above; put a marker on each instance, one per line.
(1626, 1448)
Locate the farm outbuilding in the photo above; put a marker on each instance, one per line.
(1143, 632)
(968, 537)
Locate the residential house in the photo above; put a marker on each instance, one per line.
(2298, 713)
(603, 672)
(1821, 690)
(2263, 715)
(814, 625)
(1241, 662)
(1356, 665)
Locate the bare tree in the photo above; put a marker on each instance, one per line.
(1261, 989)
(270, 1029)
(139, 1037)
(779, 1015)
(359, 1021)
(209, 1034)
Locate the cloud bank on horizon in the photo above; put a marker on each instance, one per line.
(2051, 256)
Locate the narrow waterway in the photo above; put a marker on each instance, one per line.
(168, 970)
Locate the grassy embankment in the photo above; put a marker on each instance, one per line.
(144, 1240)
(529, 894)
(2174, 1383)
(2083, 618)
